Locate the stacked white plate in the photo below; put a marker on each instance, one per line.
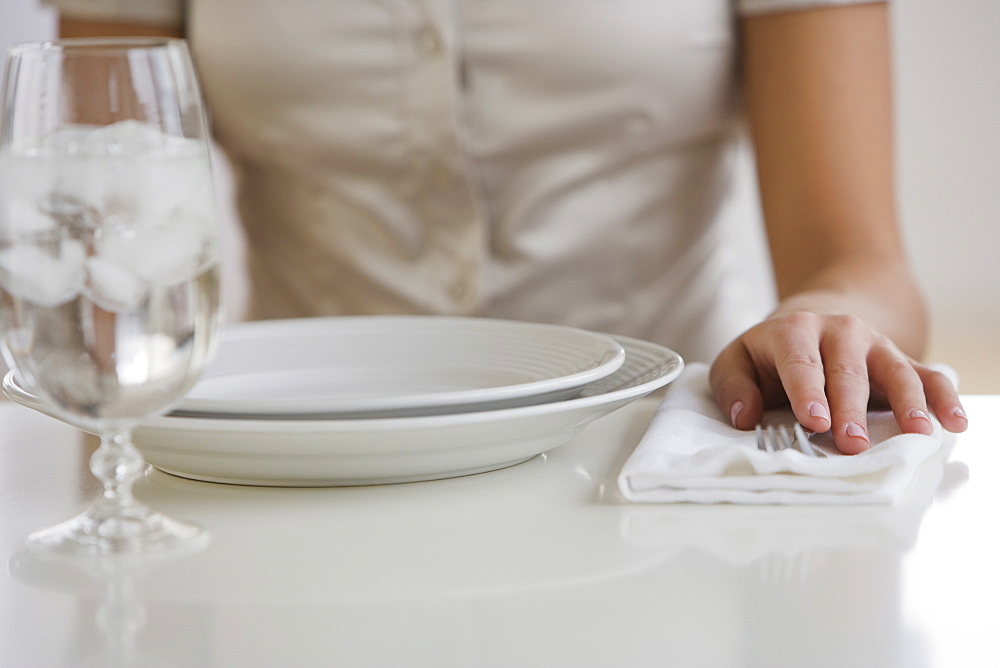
(382, 399)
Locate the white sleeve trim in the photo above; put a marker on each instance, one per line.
(154, 12)
(749, 7)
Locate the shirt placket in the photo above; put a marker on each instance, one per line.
(438, 185)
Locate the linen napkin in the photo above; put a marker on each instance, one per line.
(691, 453)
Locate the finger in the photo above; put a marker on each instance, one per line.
(800, 367)
(942, 397)
(845, 350)
(894, 374)
(734, 384)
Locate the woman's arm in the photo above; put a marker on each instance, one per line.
(70, 27)
(850, 321)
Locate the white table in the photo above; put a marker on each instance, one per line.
(541, 564)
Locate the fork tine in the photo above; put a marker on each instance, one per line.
(770, 439)
(786, 439)
(778, 442)
(803, 442)
(765, 438)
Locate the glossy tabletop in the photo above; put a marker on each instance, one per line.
(540, 564)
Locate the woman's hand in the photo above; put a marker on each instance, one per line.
(828, 368)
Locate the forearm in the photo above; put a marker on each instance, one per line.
(819, 102)
(70, 27)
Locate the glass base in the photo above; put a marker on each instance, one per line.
(137, 530)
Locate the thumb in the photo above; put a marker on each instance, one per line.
(734, 384)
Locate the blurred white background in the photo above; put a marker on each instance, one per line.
(948, 106)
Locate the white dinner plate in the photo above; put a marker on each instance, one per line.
(394, 366)
(312, 453)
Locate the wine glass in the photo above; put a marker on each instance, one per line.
(109, 284)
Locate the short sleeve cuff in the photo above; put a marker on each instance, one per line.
(152, 12)
(751, 7)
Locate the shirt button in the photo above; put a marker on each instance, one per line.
(429, 42)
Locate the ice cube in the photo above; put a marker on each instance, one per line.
(56, 185)
(67, 140)
(172, 186)
(113, 287)
(72, 213)
(130, 137)
(123, 139)
(161, 255)
(151, 181)
(20, 219)
(96, 182)
(69, 189)
(24, 179)
(36, 275)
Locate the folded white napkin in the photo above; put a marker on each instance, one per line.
(692, 454)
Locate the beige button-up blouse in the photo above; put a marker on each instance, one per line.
(552, 160)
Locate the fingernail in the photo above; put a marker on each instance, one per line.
(960, 413)
(854, 430)
(917, 413)
(734, 411)
(818, 410)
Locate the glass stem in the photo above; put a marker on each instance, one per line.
(117, 464)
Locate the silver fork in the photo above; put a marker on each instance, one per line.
(770, 439)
